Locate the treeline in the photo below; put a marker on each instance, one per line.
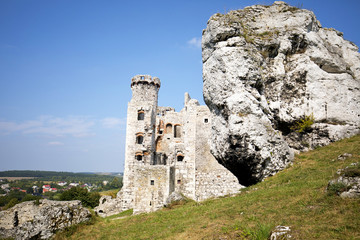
(38, 174)
(60, 176)
(88, 199)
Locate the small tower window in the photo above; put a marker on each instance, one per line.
(206, 120)
(180, 158)
(138, 156)
(141, 115)
(169, 128)
(178, 181)
(152, 182)
(177, 131)
(139, 139)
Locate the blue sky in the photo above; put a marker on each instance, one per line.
(66, 67)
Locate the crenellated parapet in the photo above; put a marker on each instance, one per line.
(145, 79)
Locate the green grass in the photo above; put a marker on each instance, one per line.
(295, 197)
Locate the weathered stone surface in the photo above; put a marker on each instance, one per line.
(265, 68)
(281, 233)
(28, 220)
(108, 206)
(174, 197)
(348, 183)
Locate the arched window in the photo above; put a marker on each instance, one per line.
(180, 158)
(139, 139)
(138, 156)
(169, 128)
(177, 131)
(141, 115)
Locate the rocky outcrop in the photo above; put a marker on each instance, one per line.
(276, 82)
(109, 206)
(281, 233)
(347, 185)
(32, 220)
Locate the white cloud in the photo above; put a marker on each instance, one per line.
(76, 126)
(195, 42)
(55, 143)
(112, 122)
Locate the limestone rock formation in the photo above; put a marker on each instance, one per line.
(347, 185)
(109, 206)
(29, 220)
(276, 82)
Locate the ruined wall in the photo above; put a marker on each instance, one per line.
(212, 179)
(152, 186)
(172, 156)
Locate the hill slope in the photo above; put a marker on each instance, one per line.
(295, 197)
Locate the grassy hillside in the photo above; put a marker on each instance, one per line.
(295, 197)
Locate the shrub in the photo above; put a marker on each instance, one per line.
(304, 124)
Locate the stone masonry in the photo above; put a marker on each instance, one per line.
(166, 152)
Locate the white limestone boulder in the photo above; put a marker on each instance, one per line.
(265, 68)
(29, 220)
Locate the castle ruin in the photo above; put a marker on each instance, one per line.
(166, 152)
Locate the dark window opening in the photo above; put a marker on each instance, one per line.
(168, 128)
(152, 182)
(206, 120)
(178, 181)
(104, 200)
(150, 203)
(180, 158)
(177, 131)
(141, 115)
(101, 211)
(139, 157)
(139, 139)
(160, 132)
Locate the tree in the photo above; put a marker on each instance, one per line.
(116, 183)
(82, 194)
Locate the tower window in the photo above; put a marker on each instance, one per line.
(152, 182)
(138, 157)
(178, 181)
(168, 128)
(141, 115)
(180, 158)
(206, 120)
(139, 139)
(177, 131)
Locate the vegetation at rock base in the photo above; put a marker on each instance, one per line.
(295, 197)
(304, 124)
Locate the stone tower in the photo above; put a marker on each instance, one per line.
(140, 131)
